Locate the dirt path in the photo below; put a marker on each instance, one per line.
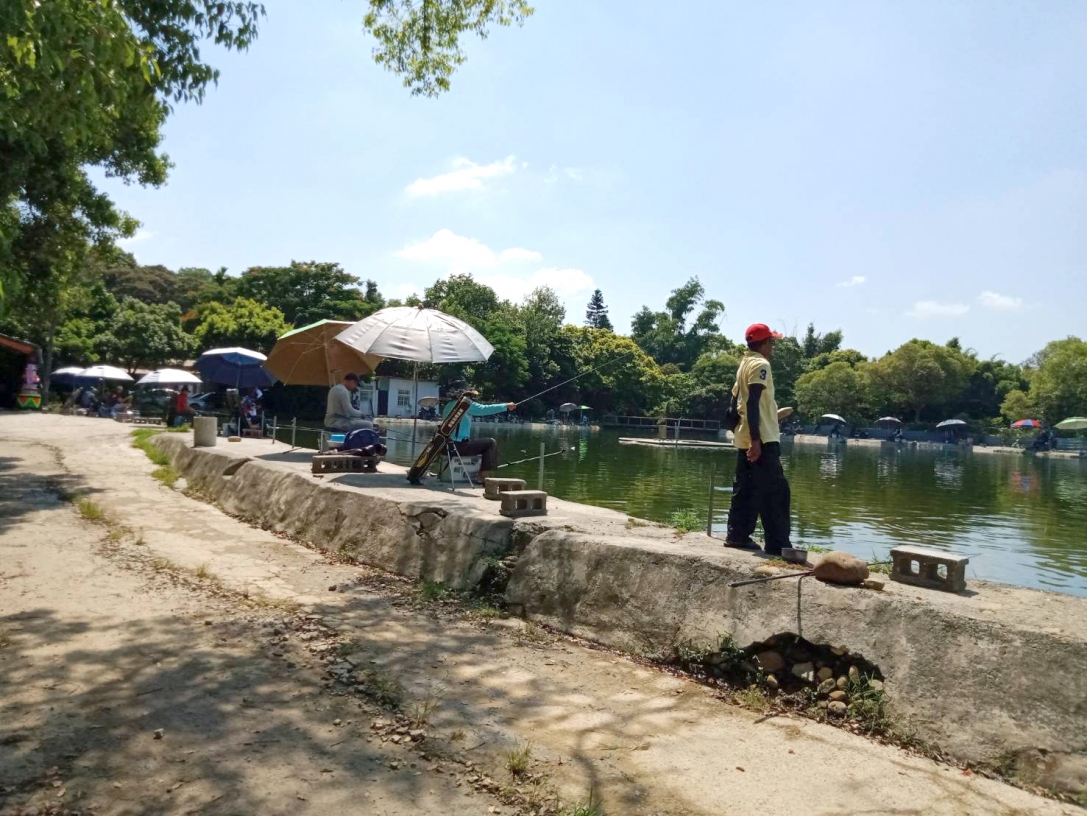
(106, 644)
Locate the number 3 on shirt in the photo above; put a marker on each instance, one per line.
(762, 374)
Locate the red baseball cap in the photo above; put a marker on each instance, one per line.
(757, 332)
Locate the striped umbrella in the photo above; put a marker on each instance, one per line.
(1028, 423)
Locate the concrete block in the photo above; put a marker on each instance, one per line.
(494, 488)
(933, 569)
(344, 464)
(516, 503)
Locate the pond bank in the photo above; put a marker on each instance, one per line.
(994, 673)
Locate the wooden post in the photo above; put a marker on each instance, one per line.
(294, 429)
(275, 424)
(542, 448)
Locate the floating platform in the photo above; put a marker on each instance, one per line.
(673, 443)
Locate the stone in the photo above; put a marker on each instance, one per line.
(838, 696)
(825, 673)
(826, 687)
(876, 582)
(805, 671)
(517, 503)
(920, 566)
(765, 570)
(842, 682)
(838, 651)
(770, 661)
(493, 488)
(839, 567)
(854, 674)
(160, 733)
(772, 682)
(836, 709)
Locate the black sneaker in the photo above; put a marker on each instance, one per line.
(746, 544)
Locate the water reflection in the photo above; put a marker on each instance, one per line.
(1023, 520)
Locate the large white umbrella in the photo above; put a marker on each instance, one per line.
(104, 372)
(419, 335)
(834, 418)
(952, 423)
(1072, 424)
(169, 376)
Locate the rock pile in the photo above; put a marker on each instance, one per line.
(791, 664)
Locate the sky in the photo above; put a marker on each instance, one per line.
(890, 169)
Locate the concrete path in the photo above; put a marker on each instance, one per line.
(103, 642)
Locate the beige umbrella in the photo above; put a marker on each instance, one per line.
(307, 356)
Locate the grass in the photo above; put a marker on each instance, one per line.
(815, 548)
(141, 438)
(753, 697)
(589, 808)
(164, 565)
(868, 706)
(457, 736)
(204, 573)
(382, 689)
(90, 510)
(633, 523)
(422, 710)
(434, 591)
(167, 474)
(686, 520)
(882, 569)
(518, 759)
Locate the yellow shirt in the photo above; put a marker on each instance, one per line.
(755, 370)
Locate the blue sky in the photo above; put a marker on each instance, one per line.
(891, 169)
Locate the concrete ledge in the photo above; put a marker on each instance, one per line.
(980, 683)
(992, 672)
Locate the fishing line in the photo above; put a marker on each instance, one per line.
(577, 376)
(537, 458)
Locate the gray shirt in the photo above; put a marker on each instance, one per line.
(339, 406)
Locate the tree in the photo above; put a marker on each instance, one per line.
(815, 344)
(666, 335)
(542, 315)
(596, 315)
(630, 383)
(462, 296)
(308, 292)
(151, 284)
(1058, 388)
(1017, 405)
(919, 375)
(89, 84)
(851, 357)
(146, 335)
(193, 286)
(709, 385)
(419, 40)
(243, 323)
(837, 389)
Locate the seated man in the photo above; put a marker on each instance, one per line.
(461, 436)
(341, 415)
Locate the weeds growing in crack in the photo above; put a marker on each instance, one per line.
(204, 573)
(518, 759)
(422, 710)
(753, 697)
(686, 520)
(164, 565)
(90, 510)
(384, 690)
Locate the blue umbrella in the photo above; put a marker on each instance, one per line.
(238, 367)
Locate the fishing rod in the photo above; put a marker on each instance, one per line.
(578, 376)
(805, 574)
(537, 458)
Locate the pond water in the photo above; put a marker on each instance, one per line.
(1022, 519)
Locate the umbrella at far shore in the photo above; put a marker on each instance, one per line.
(239, 367)
(104, 372)
(66, 375)
(889, 420)
(308, 356)
(1028, 423)
(567, 407)
(169, 376)
(834, 418)
(952, 423)
(1072, 424)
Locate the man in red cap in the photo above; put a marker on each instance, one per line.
(760, 489)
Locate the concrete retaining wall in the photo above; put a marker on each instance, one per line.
(991, 673)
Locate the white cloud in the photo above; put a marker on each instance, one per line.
(141, 235)
(856, 280)
(518, 254)
(565, 282)
(931, 308)
(466, 175)
(1000, 303)
(451, 250)
(572, 173)
(400, 291)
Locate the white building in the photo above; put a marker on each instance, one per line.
(394, 396)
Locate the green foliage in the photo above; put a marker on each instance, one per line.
(920, 374)
(686, 520)
(1017, 405)
(141, 438)
(244, 322)
(146, 335)
(1058, 388)
(419, 40)
(631, 382)
(90, 510)
(596, 315)
(310, 291)
(667, 336)
(837, 389)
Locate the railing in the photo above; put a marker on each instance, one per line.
(683, 423)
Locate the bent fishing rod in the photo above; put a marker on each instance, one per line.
(578, 376)
(537, 458)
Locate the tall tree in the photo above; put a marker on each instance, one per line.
(596, 315)
(668, 337)
(309, 291)
(1058, 389)
(839, 388)
(146, 336)
(244, 322)
(920, 375)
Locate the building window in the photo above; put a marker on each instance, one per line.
(403, 398)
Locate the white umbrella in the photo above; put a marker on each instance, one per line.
(1072, 424)
(169, 376)
(834, 418)
(892, 420)
(104, 372)
(951, 423)
(419, 335)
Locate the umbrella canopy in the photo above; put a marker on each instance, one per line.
(428, 402)
(834, 418)
(889, 420)
(1072, 424)
(952, 423)
(66, 375)
(307, 356)
(104, 372)
(1028, 423)
(169, 376)
(239, 367)
(585, 408)
(567, 407)
(417, 334)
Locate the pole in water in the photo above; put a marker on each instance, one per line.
(275, 420)
(540, 485)
(294, 429)
(709, 513)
